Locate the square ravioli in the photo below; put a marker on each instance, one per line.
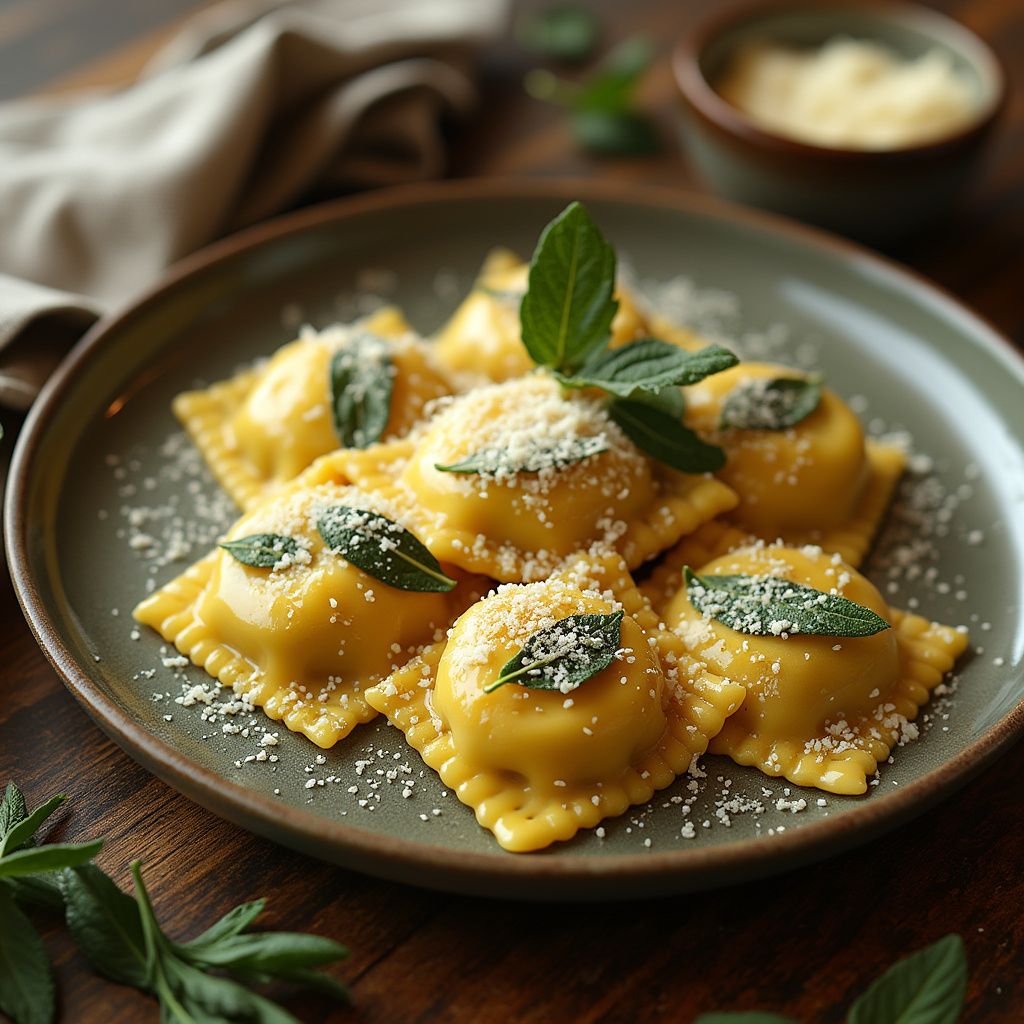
(536, 765)
(510, 479)
(262, 427)
(823, 709)
(797, 458)
(483, 337)
(278, 615)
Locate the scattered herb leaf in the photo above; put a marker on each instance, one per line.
(495, 461)
(562, 32)
(646, 366)
(927, 987)
(12, 809)
(771, 404)
(567, 311)
(771, 605)
(42, 859)
(362, 382)
(564, 655)
(26, 982)
(260, 550)
(664, 437)
(383, 549)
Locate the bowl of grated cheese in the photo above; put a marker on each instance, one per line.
(868, 119)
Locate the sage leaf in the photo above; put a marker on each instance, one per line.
(106, 925)
(41, 859)
(26, 982)
(233, 922)
(260, 550)
(646, 366)
(495, 461)
(616, 132)
(383, 549)
(41, 891)
(770, 404)
(565, 654)
(12, 809)
(267, 952)
(771, 606)
(208, 998)
(662, 436)
(19, 834)
(567, 311)
(743, 1017)
(362, 377)
(563, 32)
(612, 86)
(927, 987)
(316, 981)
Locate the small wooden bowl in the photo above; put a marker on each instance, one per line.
(877, 196)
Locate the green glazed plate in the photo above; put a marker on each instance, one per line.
(106, 499)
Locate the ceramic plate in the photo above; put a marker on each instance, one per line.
(107, 499)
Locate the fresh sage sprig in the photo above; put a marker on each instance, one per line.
(647, 366)
(260, 550)
(927, 987)
(564, 655)
(122, 939)
(362, 377)
(382, 548)
(602, 111)
(773, 606)
(565, 320)
(775, 403)
(495, 461)
(564, 31)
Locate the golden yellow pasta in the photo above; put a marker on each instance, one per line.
(537, 765)
(820, 710)
(482, 337)
(304, 636)
(262, 427)
(517, 524)
(816, 482)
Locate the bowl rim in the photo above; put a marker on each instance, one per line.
(535, 876)
(708, 104)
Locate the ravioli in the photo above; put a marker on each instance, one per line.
(817, 482)
(262, 427)
(517, 525)
(304, 638)
(482, 337)
(537, 765)
(821, 711)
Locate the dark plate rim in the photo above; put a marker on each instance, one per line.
(384, 855)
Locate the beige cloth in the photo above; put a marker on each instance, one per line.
(255, 107)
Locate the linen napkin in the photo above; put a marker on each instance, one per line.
(254, 107)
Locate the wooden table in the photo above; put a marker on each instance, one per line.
(804, 943)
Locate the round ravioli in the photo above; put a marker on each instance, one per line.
(483, 335)
(285, 422)
(553, 474)
(806, 693)
(805, 477)
(586, 735)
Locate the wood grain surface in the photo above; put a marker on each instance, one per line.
(804, 943)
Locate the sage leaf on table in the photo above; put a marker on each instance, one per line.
(495, 461)
(362, 377)
(261, 550)
(928, 987)
(382, 548)
(26, 982)
(12, 809)
(771, 606)
(562, 32)
(648, 366)
(567, 311)
(662, 436)
(564, 655)
(771, 403)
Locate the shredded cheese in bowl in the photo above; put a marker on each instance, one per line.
(850, 94)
